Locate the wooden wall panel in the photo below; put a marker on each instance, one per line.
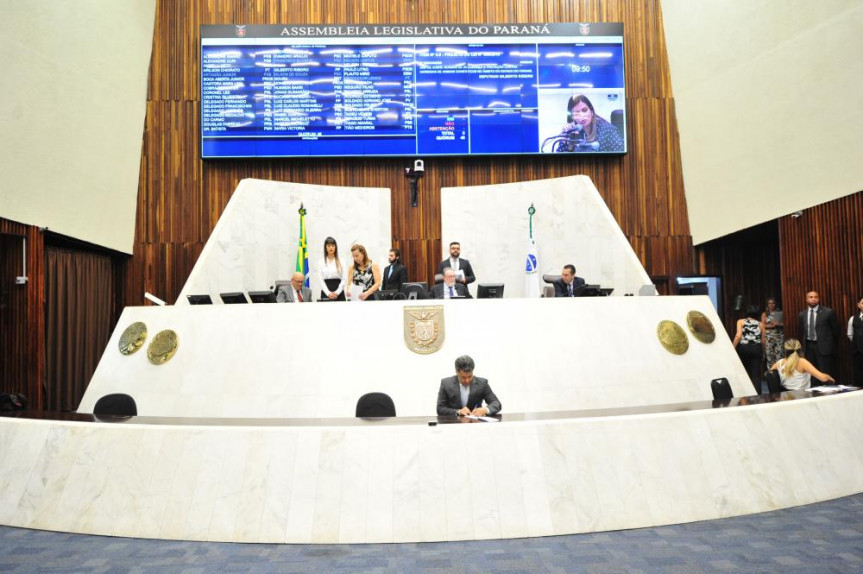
(748, 263)
(822, 250)
(22, 320)
(181, 197)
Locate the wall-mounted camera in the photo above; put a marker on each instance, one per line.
(414, 174)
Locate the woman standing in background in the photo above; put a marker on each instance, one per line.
(331, 272)
(749, 342)
(774, 328)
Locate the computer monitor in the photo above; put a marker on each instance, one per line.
(489, 291)
(233, 298)
(389, 295)
(199, 299)
(262, 296)
(587, 291)
(419, 290)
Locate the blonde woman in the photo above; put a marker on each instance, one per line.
(795, 372)
(364, 274)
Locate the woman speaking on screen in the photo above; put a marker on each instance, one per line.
(587, 131)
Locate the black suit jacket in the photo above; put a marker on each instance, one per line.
(436, 292)
(463, 266)
(826, 329)
(398, 276)
(561, 289)
(449, 396)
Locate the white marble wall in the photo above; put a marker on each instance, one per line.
(255, 241)
(316, 360)
(572, 224)
(397, 483)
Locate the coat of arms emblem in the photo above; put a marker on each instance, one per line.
(424, 329)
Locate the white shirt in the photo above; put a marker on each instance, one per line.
(797, 381)
(812, 313)
(465, 394)
(446, 293)
(850, 331)
(329, 270)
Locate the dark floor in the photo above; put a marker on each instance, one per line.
(826, 537)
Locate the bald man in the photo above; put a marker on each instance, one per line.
(820, 333)
(296, 292)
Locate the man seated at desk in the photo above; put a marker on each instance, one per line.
(464, 394)
(568, 282)
(296, 293)
(449, 289)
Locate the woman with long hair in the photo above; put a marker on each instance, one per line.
(749, 342)
(795, 372)
(583, 119)
(365, 274)
(331, 272)
(774, 337)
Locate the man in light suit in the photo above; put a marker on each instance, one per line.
(449, 289)
(464, 394)
(820, 333)
(296, 293)
(566, 285)
(464, 272)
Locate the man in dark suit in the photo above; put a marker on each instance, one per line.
(464, 272)
(464, 393)
(449, 289)
(820, 333)
(566, 285)
(296, 292)
(395, 274)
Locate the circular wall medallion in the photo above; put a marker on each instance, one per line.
(133, 338)
(700, 326)
(163, 347)
(673, 337)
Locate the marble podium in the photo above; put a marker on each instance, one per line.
(247, 434)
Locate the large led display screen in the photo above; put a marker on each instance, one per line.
(412, 90)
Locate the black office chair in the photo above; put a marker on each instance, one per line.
(438, 278)
(373, 405)
(116, 405)
(721, 389)
(774, 385)
(616, 120)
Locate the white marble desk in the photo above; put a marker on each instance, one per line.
(355, 483)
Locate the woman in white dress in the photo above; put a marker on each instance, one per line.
(331, 272)
(795, 372)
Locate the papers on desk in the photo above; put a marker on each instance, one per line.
(486, 419)
(829, 389)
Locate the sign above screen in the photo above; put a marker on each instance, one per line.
(412, 90)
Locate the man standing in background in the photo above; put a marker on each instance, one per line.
(820, 333)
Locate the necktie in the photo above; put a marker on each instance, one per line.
(300, 295)
(811, 331)
(389, 270)
(451, 294)
(570, 289)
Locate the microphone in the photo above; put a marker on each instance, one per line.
(572, 130)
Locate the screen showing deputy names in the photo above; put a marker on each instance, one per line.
(288, 91)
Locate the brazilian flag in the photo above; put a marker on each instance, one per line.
(303, 248)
